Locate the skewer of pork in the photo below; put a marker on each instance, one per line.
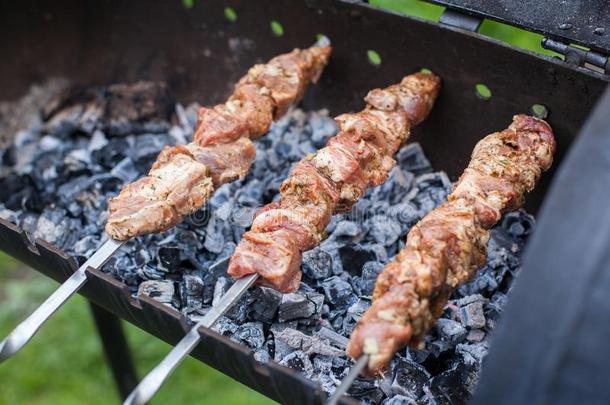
(448, 245)
(330, 181)
(185, 176)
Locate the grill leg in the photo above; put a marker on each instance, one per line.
(116, 349)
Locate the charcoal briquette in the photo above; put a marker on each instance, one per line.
(250, 333)
(317, 264)
(409, 379)
(265, 304)
(162, 291)
(338, 291)
(298, 306)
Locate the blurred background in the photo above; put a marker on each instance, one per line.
(65, 363)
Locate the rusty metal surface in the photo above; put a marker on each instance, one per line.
(200, 54)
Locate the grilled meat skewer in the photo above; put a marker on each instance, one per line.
(365, 145)
(331, 181)
(448, 245)
(185, 176)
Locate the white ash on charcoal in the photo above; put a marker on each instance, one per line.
(79, 157)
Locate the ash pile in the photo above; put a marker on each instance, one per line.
(70, 156)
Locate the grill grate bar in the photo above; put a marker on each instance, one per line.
(147, 388)
(26, 330)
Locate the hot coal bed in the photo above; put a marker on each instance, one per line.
(72, 154)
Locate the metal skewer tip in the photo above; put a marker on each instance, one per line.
(26, 330)
(150, 384)
(348, 380)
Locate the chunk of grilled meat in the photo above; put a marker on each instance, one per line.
(448, 245)
(185, 176)
(331, 181)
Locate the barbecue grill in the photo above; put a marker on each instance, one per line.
(113, 41)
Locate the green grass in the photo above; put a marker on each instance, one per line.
(64, 363)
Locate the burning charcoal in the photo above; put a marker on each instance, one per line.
(299, 306)
(496, 304)
(162, 291)
(142, 257)
(86, 246)
(225, 326)
(451, 330)
(405, 213)
(265, 304)
(518, 224)
(141, 101)
(200, 218)
(473, 353)
(475, 335)
(309, 344)
(333, 337)
(353, 314)
(250, 333)
(399, 400)
(187, 242)
(214, 242)
(347, 229)
(125, 171)
(409, 379)
(438, 347)
(353, 257)
(366, 391)
(337, 291)
(262, 356)
(317, 264)
(149, 145)
(168, 258)
(384, 230)
(327, 380)
(453, 386)
(239, 312)
(221, 287)
(14, 189)
(52, 226)
(68, 192)
(219, 268)
(472, 315)
(112, 153)
(462, 302)
(411, 157)
(298, 361)
(471, 311)
(191, 291)
(97, 141)
(322, 129)
(365, 284)
(322, 363)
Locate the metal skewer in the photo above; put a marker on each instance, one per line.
(153, 381)
(22, 334)
(348, 380)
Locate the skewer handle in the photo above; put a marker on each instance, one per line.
(26, 330)
(147, 388)
(348, 380)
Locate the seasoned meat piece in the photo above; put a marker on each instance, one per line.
(185, 176)
(331, 180)
(448, 245)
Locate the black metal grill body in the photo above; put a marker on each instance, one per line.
(200, 54)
